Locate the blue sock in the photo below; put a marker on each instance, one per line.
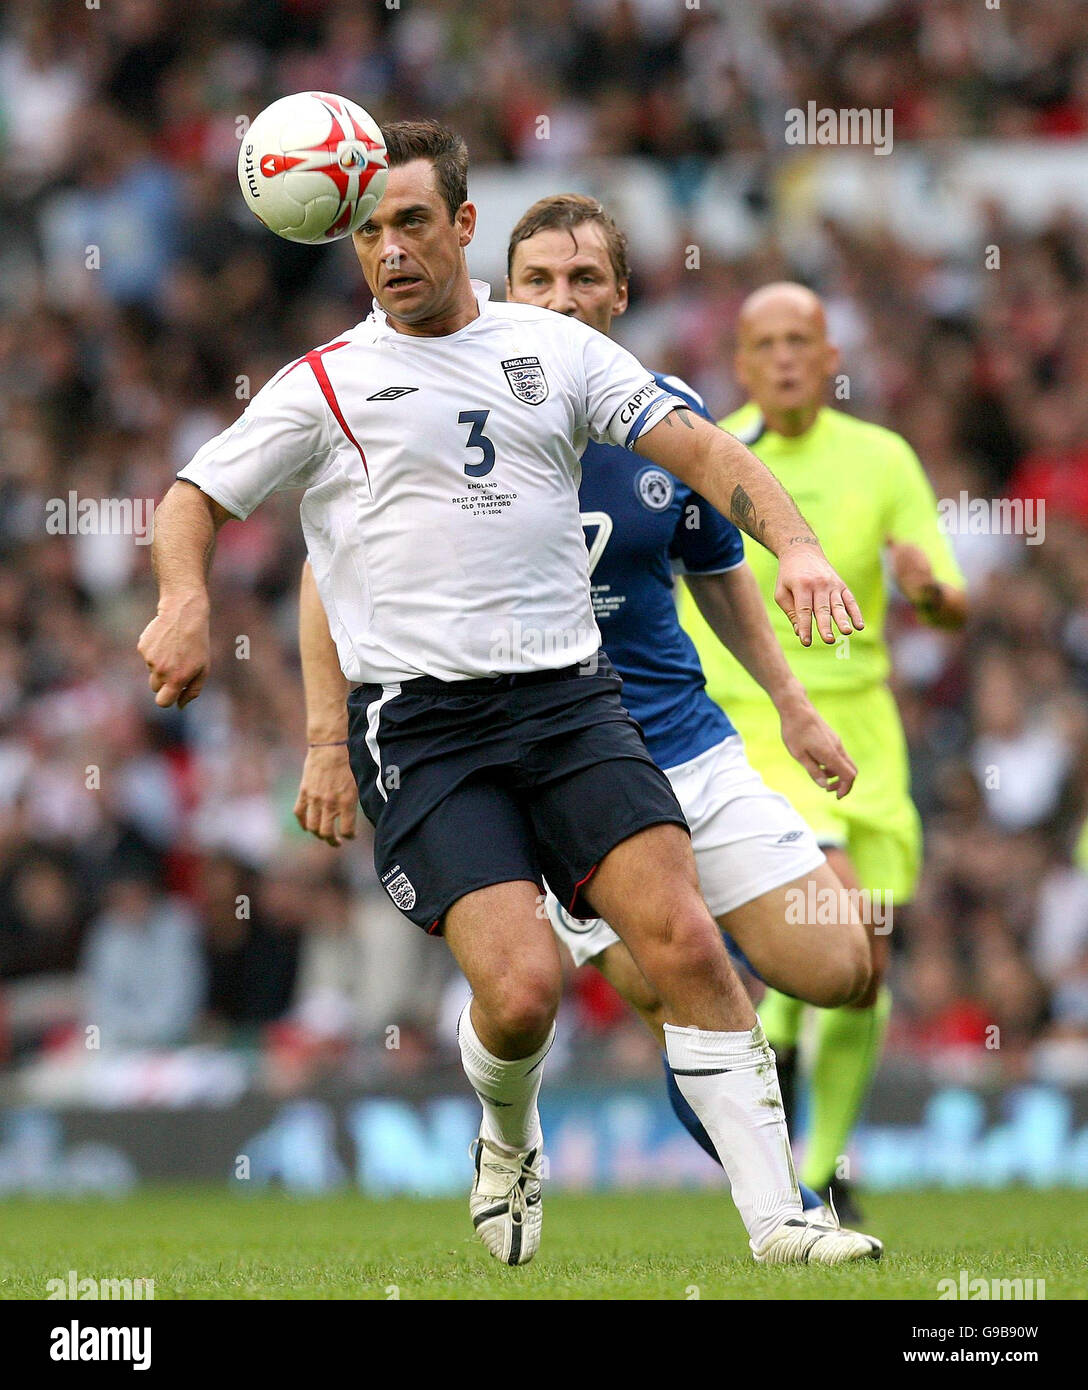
(686, 1115)
(694, 1126)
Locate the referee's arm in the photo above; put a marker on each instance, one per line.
(176, 644)
(731, 478)
(936, 602)
(922, 563)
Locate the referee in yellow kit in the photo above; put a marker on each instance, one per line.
(863, 490)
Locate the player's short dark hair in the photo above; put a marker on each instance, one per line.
(566, 211)
(408, 140)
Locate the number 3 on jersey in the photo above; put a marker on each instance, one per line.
(478, 440)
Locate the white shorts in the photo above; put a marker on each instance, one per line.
(747, 840)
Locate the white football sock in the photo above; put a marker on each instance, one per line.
(730, 1081)
(507, 1090)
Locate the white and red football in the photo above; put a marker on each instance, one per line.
(312, 167)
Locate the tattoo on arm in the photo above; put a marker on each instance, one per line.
(742, 511)
(802, 540)
(684, 416)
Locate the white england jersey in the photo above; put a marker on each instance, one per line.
(441, 476)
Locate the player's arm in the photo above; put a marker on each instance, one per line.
(710, 552)
(731, 478)
(733, 607)
(278, 442)
(176, 643)
(327, 795)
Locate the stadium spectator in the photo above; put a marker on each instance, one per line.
(142, 965)
(251, 942)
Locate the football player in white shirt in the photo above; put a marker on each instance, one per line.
(753, 851)
(438, 444)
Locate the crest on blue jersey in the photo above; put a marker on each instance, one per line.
(526, 378)
(655, 488)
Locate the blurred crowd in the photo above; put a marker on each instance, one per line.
(676, 79)
(154, 889)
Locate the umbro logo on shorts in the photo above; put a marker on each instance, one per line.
(400, 888)
(391, 393)
(789, 837)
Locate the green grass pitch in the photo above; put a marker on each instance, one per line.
(216, 1244)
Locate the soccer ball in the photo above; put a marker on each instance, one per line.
(312, 167)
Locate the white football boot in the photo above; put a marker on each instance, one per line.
(805, 1241)
(827, 1215)
(505, 1201)
(820, 1216)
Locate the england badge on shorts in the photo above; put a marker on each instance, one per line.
(526, 378)
(400, 888)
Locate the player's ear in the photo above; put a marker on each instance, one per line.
(508, 292)
(832, 359)
(619, 304)
(466, 223)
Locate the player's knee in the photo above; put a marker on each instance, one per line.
(866, 996)
(654, 1016)
(691, 937)
(524, 1009)
(854, 972)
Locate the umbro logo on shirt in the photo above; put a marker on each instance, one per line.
(391, 393)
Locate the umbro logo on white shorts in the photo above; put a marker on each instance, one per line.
(789, 837)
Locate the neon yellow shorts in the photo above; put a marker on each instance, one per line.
(877, 823)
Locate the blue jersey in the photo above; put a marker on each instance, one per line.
(642, 523)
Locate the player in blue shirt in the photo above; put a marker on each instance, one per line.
(755, 855)
(642, 525)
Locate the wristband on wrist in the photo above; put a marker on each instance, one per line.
(336, 743)
(931, 601)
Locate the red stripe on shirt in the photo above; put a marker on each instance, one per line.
(322, 377)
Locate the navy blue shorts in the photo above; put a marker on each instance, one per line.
(470, 783)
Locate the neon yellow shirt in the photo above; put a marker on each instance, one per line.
(1080, 849)
(858, 486)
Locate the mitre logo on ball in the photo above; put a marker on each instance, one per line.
(313, 167)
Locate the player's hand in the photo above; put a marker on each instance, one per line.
(327, 796)
(177, 648)
(818, 748)
(809, 588)
(912, 571)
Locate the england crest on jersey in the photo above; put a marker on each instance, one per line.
(526, 378)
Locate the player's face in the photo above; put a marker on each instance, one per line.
(569, 272)
(783, 359)
(412, 255)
